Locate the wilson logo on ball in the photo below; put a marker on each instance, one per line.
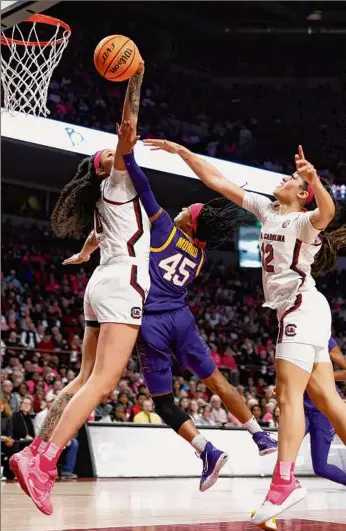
(123, 60)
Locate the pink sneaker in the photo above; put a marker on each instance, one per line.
(14, 462)
(38, 483)
(279, 498)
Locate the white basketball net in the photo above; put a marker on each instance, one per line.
(27, 70)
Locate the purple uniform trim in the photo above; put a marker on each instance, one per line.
(332, 343)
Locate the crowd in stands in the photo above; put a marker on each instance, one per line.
(246, 124)
(42, 330)
(216, 112)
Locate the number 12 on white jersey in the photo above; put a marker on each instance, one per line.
(175, 263)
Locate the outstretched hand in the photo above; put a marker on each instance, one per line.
(304, 169)
(299, 158)
(127, 137)
(78, 258)
(163, 145)
(141, 68)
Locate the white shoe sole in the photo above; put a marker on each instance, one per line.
(212, 479)
(270, 510)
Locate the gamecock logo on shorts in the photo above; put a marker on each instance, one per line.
(136, 313)
(290, 330)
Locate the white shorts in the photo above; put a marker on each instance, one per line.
(308, 321)
(302, 355)
(116, 293)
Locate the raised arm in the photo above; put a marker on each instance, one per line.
(130, 109)
(208, 174)
(325, 211)
(127, 139)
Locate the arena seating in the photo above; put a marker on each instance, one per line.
(42, 330)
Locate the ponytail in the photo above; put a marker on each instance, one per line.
(333, 238)
(218, 222)
(73, 213)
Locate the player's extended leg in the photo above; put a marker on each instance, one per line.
(213, 459)
(234, 403)
(322, 391)
(91, 335)
(39, 443)
(321, 436)
(294, 363)
(115, 344)
(193, 352)
(154, 350)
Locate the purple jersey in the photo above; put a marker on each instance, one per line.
(174, 263)
(308, 404)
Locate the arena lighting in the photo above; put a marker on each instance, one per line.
(76, 139)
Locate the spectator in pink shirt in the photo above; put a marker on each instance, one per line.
(228, 361)
(36, 377)
(269, 412)
(215, 355)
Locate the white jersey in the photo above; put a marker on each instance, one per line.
(288, 245)
(121, 224)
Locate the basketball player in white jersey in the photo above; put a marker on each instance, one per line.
(291, 245)
(100, 193)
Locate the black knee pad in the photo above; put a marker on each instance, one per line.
(171, 414)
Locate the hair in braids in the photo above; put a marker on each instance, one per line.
(73, 213)
(333, 238)
(218, 222)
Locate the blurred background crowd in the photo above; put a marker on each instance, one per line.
(42, 330)
(249, 98)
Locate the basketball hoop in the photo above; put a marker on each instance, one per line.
(28, 66)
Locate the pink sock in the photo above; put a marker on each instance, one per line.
(37, 445)
(283, 471)
(50, 456)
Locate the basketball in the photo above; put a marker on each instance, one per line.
(116, 58)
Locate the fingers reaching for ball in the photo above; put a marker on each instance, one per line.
(163, 145)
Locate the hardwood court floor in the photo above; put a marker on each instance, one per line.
(169, 505)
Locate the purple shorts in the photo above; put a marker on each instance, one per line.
(167, 334)
(318, 425)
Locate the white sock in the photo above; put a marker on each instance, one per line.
(199, 443)
(42, 447)
(252, 426)
(284, 470)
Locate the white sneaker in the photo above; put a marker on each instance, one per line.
(279, 499)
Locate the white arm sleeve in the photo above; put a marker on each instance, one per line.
(257, 204)
(118, 187)
(118, 176)
(306, 232)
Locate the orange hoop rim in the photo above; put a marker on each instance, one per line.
(43, 19)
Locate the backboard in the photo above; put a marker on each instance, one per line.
(15, 11)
